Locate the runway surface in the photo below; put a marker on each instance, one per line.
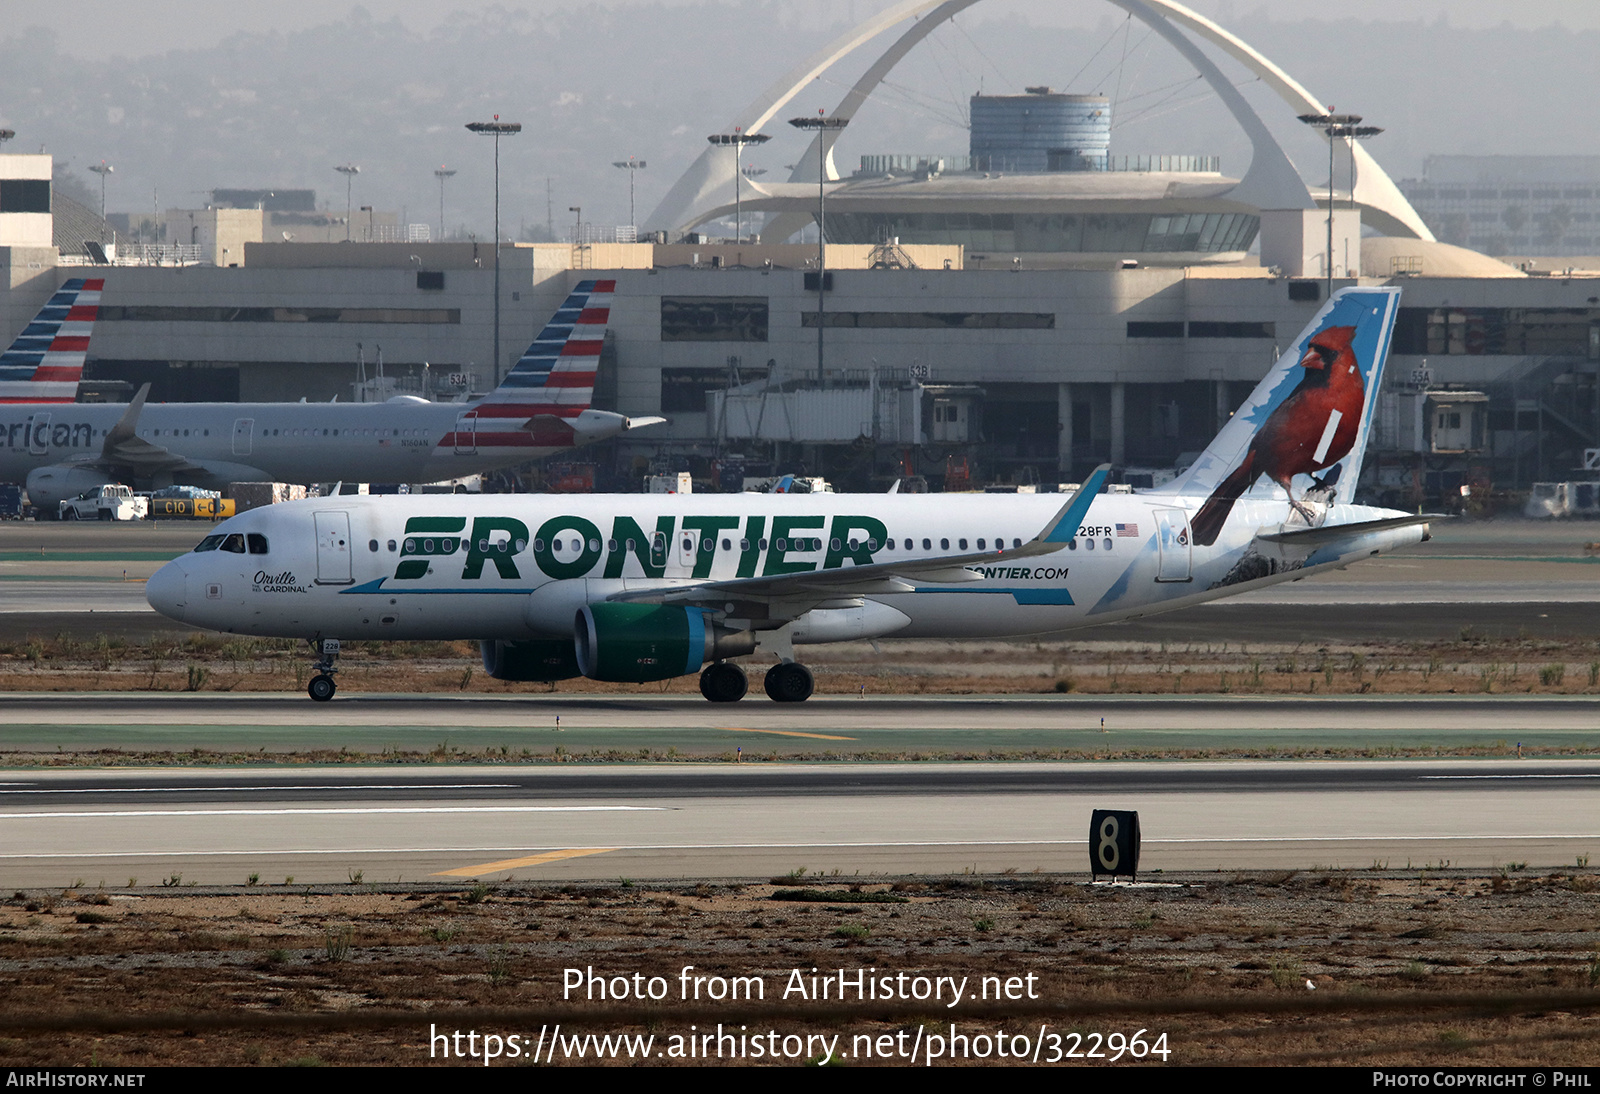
(322, 826)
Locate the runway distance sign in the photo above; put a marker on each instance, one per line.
(1114, 843)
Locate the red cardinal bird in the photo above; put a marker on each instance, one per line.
(1314, 428)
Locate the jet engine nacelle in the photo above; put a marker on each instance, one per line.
(637, 643)
(541, 661)
(48, 487)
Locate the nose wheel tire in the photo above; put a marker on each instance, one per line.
(724, 683)
(789, 682)
(321, 688)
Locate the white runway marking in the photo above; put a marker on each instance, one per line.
(1590, 775)
(242, 789)
(356, 811)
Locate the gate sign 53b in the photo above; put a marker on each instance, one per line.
(1114, 842)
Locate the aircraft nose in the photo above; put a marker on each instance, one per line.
(167, 591)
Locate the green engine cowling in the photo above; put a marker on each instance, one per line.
(542, 661)
(637, 643)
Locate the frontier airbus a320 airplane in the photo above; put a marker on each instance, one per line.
(649, 587)
(61, 448)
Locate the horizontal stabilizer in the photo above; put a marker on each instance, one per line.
(1334, 533)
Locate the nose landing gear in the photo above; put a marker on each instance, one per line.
(322, 686)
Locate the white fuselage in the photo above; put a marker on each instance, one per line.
(274, 442)
(519, 566)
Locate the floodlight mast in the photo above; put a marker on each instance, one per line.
(737, 140)
(1349, 127)
(349, 171)
(631, 165)
(821, 123)
(496, 129)
(441, 174)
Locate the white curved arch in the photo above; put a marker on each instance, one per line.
(1270, 183)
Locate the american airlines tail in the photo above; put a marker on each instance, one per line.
(45, 362)
(1304, 428)
(548, 392)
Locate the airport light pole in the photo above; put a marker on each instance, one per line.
(102, 169)
(496, 129)
(738, 139)
(821, 124)
(577, 224)
(631, 165)
(441, 174)
(368, 210)
(1331, 124)
(349, 171)
(1353, 133)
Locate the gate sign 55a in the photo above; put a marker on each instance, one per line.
(1114, 842)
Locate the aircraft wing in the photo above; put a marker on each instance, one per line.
(820, 586)
(124, 451)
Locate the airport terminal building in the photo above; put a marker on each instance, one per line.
(1014, 314)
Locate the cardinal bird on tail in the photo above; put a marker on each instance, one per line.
(1314, 428)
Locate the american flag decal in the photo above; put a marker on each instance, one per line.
(1124, 530)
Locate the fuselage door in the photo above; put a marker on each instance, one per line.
(243, 434)
(38, 434)
(333, 549)
(1173, 545)
(466, 436)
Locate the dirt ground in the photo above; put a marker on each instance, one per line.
(1434, 967)
(1470, 663)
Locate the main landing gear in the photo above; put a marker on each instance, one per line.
(789, 682)
(724, 682)
(322, 686)
(786, 682)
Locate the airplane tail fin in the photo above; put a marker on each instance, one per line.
(555, 377)
(1297, 424)
(45, 362)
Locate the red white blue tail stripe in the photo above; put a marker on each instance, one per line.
(553, 380)
(45, 362)
(556, 374)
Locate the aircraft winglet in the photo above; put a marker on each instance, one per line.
(1070, 519)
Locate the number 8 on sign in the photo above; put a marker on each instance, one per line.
(1107, 851)
(1114, 843)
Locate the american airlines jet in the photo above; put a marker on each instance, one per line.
(61, 448)
(637, 588)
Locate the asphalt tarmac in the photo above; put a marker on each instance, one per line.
(327, 825)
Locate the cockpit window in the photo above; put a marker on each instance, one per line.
(210, 543)
(258, 543)
(234, 543)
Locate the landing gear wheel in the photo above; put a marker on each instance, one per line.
(724, 683)
(789, 682)
(321, 688)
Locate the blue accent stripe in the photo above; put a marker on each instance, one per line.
(697, 640)
(1025, 597)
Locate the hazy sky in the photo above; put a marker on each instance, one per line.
(95, 29)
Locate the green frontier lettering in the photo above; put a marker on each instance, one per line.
(630, 538)
(427, 537)
(783, 529)
(544, 547)
(484, 546)
(857, 549)
(707, 527)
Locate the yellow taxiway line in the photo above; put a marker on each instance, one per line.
(531, 860)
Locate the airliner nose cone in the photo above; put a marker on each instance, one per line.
(167, 591)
